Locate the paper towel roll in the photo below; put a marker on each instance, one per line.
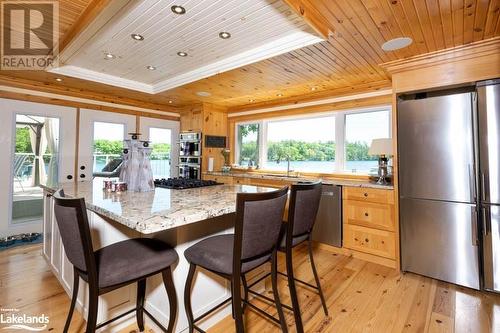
(210, 164)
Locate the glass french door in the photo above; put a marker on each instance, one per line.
(163, 136)
(101, 141)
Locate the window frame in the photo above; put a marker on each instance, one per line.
(340, 126)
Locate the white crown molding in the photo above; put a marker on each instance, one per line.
(86, 74)
(313, 103)
(84, 100)
(282, 45)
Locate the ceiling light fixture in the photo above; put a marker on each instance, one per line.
(314, 88)
(179, 10)
(203, 93)
(151, 68)
(58, 79)
(109, 56)
(170, 102)
(396, 43)
(137, 37)
(279, 95)
(182, 54)
(224, 35)
(251, 100)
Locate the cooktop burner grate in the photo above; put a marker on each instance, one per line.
(183, 183)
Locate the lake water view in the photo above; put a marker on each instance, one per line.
(323, 166)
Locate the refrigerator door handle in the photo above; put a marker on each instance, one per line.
(482, 187)
(475, 240)
(486, 221)
(472, 184)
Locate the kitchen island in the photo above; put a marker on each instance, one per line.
(178, 217)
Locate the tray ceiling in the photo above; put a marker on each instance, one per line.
(259, 29)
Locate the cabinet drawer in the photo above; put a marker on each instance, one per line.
(228, 180)
(368, 214)
(378, 242)
(268, 183)
(369, 194)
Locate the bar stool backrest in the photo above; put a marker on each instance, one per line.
(303, 208)
(71, 217)
(259, 217)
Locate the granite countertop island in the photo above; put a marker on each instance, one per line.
(158, 210)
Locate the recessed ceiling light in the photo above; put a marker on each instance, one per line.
(58, 79)
(224, 35)
(251, 100)
(137, 37)
(203, 93)
(176, 9)
(170, 102)
(151, 68)
(182, 54)
(109, 56)
(279, 95)
(396, 43)
(314, 88)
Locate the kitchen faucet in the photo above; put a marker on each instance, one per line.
(288, 170)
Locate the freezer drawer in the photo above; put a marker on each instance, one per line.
(328, 225)
(439, 240)
(435, 144)
(491, 247)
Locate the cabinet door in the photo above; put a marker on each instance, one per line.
(100, 135)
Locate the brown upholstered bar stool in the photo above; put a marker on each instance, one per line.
(113, 266)
(302, 211)
(254, 242)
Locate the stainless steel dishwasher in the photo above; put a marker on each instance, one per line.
(328, 227)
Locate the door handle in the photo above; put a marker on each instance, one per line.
(474, 226)
(483, 186)
(486, 221)
(472, 183)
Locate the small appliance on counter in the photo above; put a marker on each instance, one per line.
(183, 183)
(190, 155)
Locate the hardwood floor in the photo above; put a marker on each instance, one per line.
(361, 297)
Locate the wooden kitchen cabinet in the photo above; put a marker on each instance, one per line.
(228, 180)
(369, 222)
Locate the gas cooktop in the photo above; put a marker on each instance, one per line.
(183, 183)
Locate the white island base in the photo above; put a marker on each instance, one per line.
(208, 290)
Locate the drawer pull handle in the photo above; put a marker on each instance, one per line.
(367, 240)
(366, 214)
(366, 194)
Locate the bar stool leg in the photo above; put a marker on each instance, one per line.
(187, 297)
(293, 291)
(325, 309)
(238, 311)
(274, 280)
(168, 281)
(245, 288)
(141, 294)
(93, 307)
(76, 282)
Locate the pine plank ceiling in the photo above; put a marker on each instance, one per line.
(347, 60)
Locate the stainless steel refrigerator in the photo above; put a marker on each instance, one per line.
(449, 164)
(438, 205)
(489, 179)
